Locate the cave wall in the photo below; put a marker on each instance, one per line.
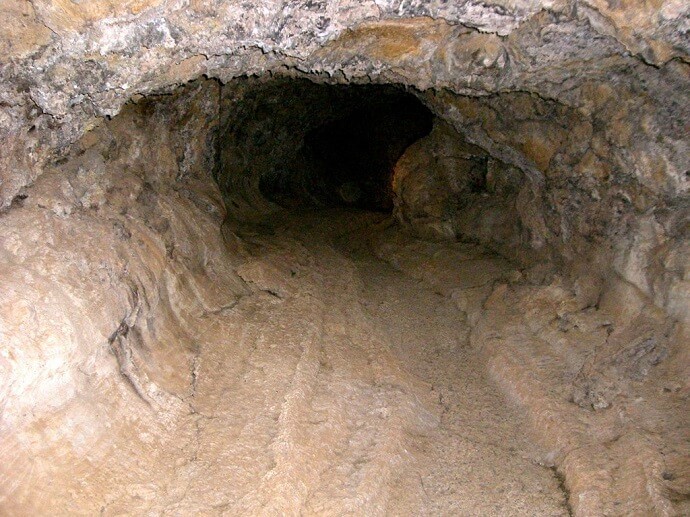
(449, 189)
(593, 199)
(105, 261)
(68, 65)
(576, 114)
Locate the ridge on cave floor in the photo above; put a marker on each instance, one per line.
(355, 390)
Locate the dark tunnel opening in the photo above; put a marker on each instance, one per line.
(346, 146)
(291, 143)
(356, 155)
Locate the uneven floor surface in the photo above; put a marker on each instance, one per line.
(347, 387)
(339, 386)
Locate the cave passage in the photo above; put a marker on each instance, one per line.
(274, 296)
(291, 143)
(326, 145)
(353, 157)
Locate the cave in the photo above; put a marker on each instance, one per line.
(344, 258)
(345, 151)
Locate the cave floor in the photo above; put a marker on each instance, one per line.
(344, 386)
(341, 383)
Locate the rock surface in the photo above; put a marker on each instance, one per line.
(159, 314)
(598, 117)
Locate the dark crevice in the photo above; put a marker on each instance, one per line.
(560, 479)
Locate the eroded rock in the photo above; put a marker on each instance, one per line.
(164, 323)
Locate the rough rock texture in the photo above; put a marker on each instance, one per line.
(445, 187)
(560, 141)
(596, 382)
(598, 86)
(101, 268)
(67, 64)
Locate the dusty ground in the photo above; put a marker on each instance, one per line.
(352, 389)
(338, 386)
(343, 386)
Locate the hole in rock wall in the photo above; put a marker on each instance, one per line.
(294, 143)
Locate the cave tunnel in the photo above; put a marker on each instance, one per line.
(324, 145)
(349, 159)
(429, 264)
